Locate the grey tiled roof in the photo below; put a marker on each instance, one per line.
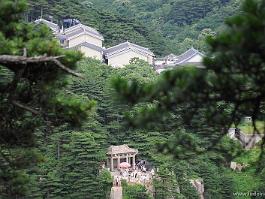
(88, 45)
(187, 55)
(80, 28)
(126, 45)
(121, 149)
(50, 24)
(75, 32)
(182, 60)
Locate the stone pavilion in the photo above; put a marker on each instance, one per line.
(119, 154)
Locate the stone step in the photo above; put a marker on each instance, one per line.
(116, 193)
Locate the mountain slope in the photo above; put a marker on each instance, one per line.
(176, 20)
(164, 26)
(114, 27)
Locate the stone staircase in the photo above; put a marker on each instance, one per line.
(116, 193)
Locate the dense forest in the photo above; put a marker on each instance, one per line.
(170, 26)
(114, 27)
(56, 122)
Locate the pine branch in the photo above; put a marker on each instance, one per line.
(13, 59)
(22, 106)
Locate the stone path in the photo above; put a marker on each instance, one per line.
(116, 193)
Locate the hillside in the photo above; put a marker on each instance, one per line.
(63, 116)
(114, 27)
(163, 26)
(176, 20)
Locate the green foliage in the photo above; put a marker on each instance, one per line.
(179, 21)
(79, 166)
(134, 191)
(138, 70)
(114, 27)
(105, 183)
(182, 115)
(72, 163)
(28, 92)
(163, 26)
(201, 100)
(72, 106)
(204, 91)
(166, 185)
(244, 183)
(247, 128)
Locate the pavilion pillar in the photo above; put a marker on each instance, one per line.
(127, 159)
(111, 163)
(133, 163)
(119, 161)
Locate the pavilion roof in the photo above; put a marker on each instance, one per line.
(121, 149)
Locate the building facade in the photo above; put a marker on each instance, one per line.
(78, 37)
(90, 42)
(120, 55)
(85, 39)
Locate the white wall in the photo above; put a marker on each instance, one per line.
(158, 63)
(150, 59)
(88, 52)
(84, 38)
(197, 58)
(123, 59)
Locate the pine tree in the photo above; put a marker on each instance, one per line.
(78, 169)
(33, 67)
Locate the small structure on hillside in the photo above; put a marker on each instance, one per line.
(248, 119)
(190, 57)
(120, 55)
(168, 60)
(77, 37)
(69, 22)
(119, 154)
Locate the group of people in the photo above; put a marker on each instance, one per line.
(141, 176)
(142, 168)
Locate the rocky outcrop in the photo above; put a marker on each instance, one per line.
(198, 184)
(237, 166)
(247, 141)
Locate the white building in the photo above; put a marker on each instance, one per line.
(78, 37)
(80, 33)
(120, 55)
(190, 57)
(89, 41)
(84, 38)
